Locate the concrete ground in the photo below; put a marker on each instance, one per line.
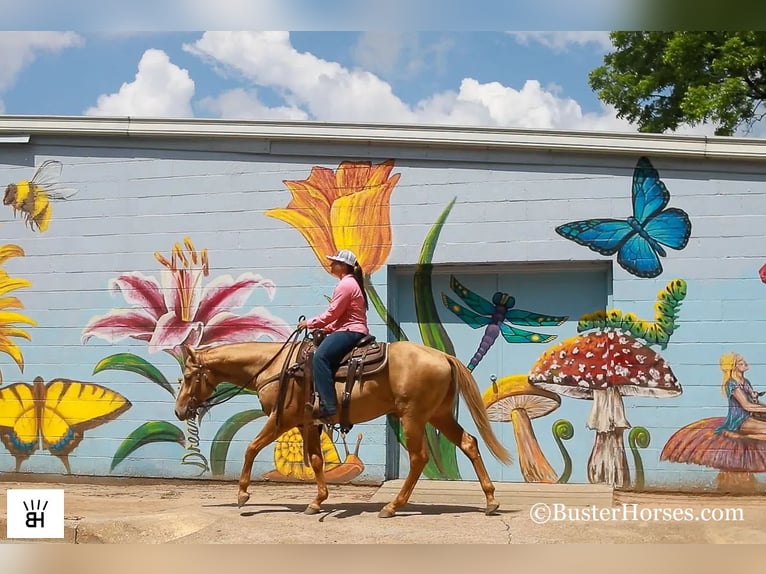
(189, 512)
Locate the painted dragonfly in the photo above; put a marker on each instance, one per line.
(493, 316)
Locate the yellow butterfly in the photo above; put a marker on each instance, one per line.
(55, 415)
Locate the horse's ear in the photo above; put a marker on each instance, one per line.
(188, 353)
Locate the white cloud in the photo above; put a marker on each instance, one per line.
(160, 89)
(244, 104)
(530, 107)
(328, 91)
(20, 49)
(563, 41)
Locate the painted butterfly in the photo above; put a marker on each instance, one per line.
(638, 240)
(54, 416)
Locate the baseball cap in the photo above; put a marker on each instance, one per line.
(344, 256)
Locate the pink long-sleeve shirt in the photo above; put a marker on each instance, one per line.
(346, 311)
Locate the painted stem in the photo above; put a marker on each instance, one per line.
(534, 466)
(736, 482)
(563, 430)
(638, 437)
(607, 463)
(377, 302)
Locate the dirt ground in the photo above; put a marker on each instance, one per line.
(188, 512)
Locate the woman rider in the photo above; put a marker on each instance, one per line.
(345, 324)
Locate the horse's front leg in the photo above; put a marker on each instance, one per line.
(268, 434)
(414, 436)
(312, 439)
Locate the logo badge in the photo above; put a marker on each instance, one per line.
(35, 513)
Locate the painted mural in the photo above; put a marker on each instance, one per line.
(289, 464)
(637, 240)
(349, 208)
(493, 316)
(615, 360)
(31, 199)
(52, 416)
(735, 445)
(513, 399)
(180, 309)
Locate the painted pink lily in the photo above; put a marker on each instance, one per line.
(181, 311)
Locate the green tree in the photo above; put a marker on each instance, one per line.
(661, 80)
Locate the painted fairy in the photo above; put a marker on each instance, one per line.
(744, 406)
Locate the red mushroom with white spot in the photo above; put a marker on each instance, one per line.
(604, 366)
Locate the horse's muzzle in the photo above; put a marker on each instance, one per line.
(186, 413)
(189, 410)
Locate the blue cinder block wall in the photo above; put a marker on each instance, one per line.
(92, 303)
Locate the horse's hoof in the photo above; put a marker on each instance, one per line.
(491, 508)
(311, 510)
(242, 498)
(386, 513)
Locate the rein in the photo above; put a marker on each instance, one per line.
(218, 398)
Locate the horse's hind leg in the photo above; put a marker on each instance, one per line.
(312, 440)
(268, 434)
(450, 428)
(414, 434)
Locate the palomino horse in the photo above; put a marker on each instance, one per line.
(418, 385)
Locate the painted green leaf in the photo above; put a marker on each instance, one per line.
(438, 451)
(224, 392)
(442, 455)
(431, 329)
(562, 429)
(377, 302)
(219, 448)
(134, 364)
(639, 437)
(442, 452)
(147, 433)
(226, 389)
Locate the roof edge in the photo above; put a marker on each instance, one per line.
(401, 134)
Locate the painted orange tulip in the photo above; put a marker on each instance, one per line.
(347, 208)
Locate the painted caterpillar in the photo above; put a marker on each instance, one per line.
(657, 332)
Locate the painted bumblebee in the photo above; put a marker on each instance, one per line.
(32, 198)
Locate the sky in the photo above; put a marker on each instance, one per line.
(460, 78)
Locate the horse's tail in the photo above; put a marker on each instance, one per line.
(470, 393)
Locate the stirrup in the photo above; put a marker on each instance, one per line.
(312, 408)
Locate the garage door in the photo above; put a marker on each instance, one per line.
(553, 297)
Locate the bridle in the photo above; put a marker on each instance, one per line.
(202, 372)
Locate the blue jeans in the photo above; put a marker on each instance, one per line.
(327, 359)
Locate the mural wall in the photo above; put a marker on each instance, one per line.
(610, 309)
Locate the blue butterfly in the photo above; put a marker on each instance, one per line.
(638, 240)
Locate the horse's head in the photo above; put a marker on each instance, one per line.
(197, 385)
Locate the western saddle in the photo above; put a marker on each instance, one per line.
(368, 357)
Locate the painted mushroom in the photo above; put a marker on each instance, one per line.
(736, 457)
(513, 399)
(604, 366)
